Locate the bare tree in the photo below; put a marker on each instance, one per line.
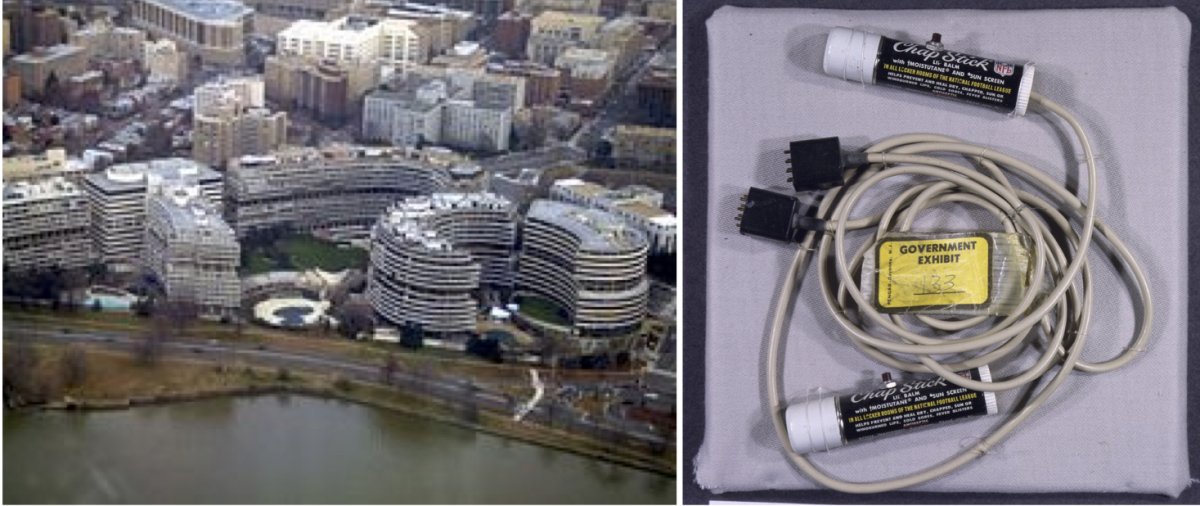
(74, 366)
(149, 350)
(388, 371)
(181, 312)
(20, 378)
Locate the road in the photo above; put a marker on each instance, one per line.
(619, 99)
(450, 389)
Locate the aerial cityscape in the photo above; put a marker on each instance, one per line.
(286, 244)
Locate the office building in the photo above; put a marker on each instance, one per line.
(576, 6)
(44, 28)
(444, 25)
(543, 84)
(192, 253)
(511, 34)
(431, 255)
(45, 225)
(624, 40)
(338, 189)
(589, 72)
(461, 110)
(589, 264)
(47, 66)
(46, 164)
(656, 91)
(213, 31)
(636, 146)
(552, 32)
(164, 62)
(102, 39)
(397, 43)
(330, 90)
(117, 202)
(229, 121)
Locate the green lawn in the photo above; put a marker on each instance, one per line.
(304, 252)
(543, 309)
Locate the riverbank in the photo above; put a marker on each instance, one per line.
(115, 380)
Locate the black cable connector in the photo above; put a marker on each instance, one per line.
(816, 164)
(778, 216)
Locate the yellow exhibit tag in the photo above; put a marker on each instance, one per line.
(927, 273)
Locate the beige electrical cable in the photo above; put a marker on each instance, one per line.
(1057, 302)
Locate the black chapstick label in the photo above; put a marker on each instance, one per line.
(907, 405)
(966, 77)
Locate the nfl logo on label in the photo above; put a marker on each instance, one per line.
(1004, 69)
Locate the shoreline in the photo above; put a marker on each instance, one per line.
(552, 441)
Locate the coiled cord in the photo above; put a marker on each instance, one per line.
(1058, 301)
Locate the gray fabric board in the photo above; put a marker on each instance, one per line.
(1122, 71)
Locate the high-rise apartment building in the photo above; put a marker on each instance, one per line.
(461, 110)
(117, 201)
(229, 121)
(590, 264)
(431, 255)
(45, 225)
(190, 250)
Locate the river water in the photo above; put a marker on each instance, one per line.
(293, 449)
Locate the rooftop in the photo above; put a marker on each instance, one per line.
(411, 218)
(25, 191)
(129, 176)
(582, 187)
(208, 10)
(190, 214)
(597, 230)
(44, 54)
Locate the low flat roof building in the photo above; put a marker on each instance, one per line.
(212, 30)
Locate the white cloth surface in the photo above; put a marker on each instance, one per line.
(1123, 72)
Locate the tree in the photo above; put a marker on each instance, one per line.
(73, 366)
(388, 371)
(181, 312)
(412, 336)
(486, 348)
(20, 378)
(150, 348)
(355, 318)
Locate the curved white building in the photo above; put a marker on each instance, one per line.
(588, 262)
(340, 189)
(430, 256)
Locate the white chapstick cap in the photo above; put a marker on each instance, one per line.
(851, 55)
(814, 425)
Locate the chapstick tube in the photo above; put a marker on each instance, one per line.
(870, 58)
(835, 420)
